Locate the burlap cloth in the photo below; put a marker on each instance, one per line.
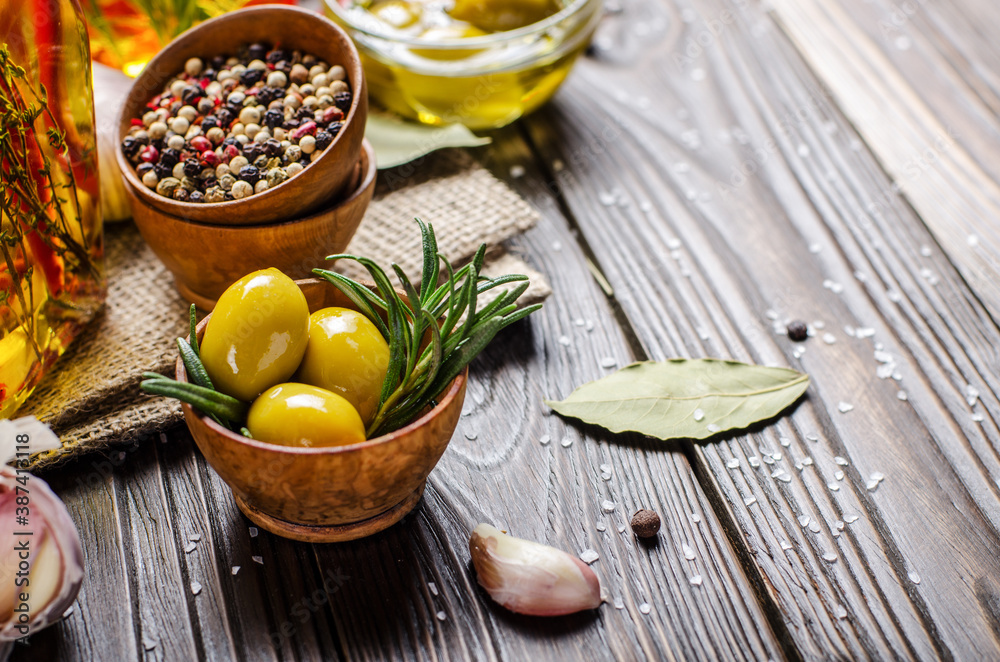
(92, 399)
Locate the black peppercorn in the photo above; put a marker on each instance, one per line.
(229, 196)
(209, 74)
(257, 51)
(334, 128)
(323, 140)
(267, 94)
(272, 147)
(273, 118)
(218, 62)
(342, 100)
(170, 157)
(196, 197)
(180, 194)
(251, 77)
(305, 113)
(291, 124)
(162, 170)
(308, 60)
(797, 331)
(130, 146)
(275, 56)
(210, 122)
(224, 117)
(249, 174)
(230, 141)
(260, 162)
(284, 66)
(192, 167)
(209, 182)
(191, 94)
(645, 523)
(143, 168)
(252, 150)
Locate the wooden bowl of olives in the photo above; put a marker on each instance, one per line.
(319, 493)
(205, 259)
(253, 117)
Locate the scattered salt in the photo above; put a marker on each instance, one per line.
(236, 569)
(433, 588)
(588, 556)
(841, 461)
(841, 612)
(253, 531)
(850, 519)
(749, 501)
(833, 487)
(914, 577)
(608, 362)
(733, 463)
(258, 559)
(845, 407)
(901, 395)
(804, 520)
(785, 545)
(608, 506)
(565, 341)
(517, 171)
(619, 603)
(754, 461)
(544, 440)
(814, 526)
(698, 414)
(712, 427)
(785, 441)
(829, 338)
(195, 588)
(696, 580)
(688, 552)
(190, 547)
(829, 557)
(441, 616)
(645, 608)
(567, 442)
(194, 537)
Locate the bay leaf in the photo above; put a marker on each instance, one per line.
(684, 398)
(397, 141)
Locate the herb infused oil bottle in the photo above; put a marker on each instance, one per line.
(52, 265)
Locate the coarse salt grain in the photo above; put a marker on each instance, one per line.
(696, 580)
(442, 616)
(195, 588)
(829, 557)
(645, 608)
(688, 552)
(566, 443)
(608, 506)
(236, 569)
(733, 463)
(258, 559)
(588, 556)
(845, 407)
(698, 414)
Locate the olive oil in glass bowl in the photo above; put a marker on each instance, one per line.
(482, 63)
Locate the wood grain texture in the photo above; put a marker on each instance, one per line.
(914, 98)
(704, 221)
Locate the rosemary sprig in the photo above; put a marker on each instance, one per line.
(420, 368)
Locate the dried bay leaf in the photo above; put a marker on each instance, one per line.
(684, 398)
(397, 141)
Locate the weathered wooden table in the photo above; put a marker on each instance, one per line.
(713, 168)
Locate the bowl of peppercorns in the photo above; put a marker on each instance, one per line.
(251, 118)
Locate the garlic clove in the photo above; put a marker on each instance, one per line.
(530, 578)
(52, 562)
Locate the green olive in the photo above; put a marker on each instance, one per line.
(347, 355)
(257, 334)
(303, 415)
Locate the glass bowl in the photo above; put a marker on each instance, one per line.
(483, 82)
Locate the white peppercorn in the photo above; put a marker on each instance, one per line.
(257, 64)
(178, 171)
(215, 194)
(242, 139)
(190, 113)
(307, 144)
(336, 72)
(260, 186)
(216, 135)
(320, 80)
(157, 131)
(167, 185)
(180, 125)
(176, 142)
(148, 118)
(241, 189)
(238, 162)
(193, 66)
(293, 153)
(299, 74)
(222, 169)
(177, 88)
(316, 70)
(293, 102)
(226, 182)
(338, 86)
(249, 115)
(150, 180)
(192, 132)
(262, 136)
(251, 130)
(293, 169)
(277, 79)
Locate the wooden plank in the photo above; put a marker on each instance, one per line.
(406, 580)
(933, 131)
(715, 183)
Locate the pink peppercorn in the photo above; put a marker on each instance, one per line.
(201, 143)
(210, 158)
(149, 154)
(307, 129)
(332, 114)
(231, 152)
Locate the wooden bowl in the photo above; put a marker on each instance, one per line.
(293, 28)
(329, 494)
(206, 259)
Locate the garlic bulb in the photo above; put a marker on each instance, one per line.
(41, 560)
(530, 578)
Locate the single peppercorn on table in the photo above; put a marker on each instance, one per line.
(711, 171)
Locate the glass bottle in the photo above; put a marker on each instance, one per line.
(52, 263)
